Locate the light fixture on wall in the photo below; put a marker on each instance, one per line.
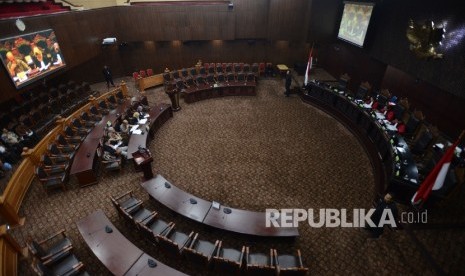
(425, 39)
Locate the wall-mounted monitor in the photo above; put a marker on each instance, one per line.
(29, 57)
(355, 21)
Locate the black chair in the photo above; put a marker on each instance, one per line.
(153, 227)
(227, 260)
(260, 264)
(241, 77)
(126, 201)
(230, 77)
(228, 68)
(53, 160)
(237, 68)
(219, 68)
(203, 72)
(65, 266)
(51, 167)
(422, 143)
(71, 133)
(189, 81)
(246, 68)
(103, 107)
(173, 241)
(51, 181)
(78, 127)
(88, 121)
(175, 74)
(50, 247)
(251, 77)
(200, 80)
(200, 252)
(220, 77)
(71, 84)
(193, 71)
(411, 126)
(96, 116)
(61, 152)
(71, 142)
(210, 78)
(166, 77)
(290, 265)
(184, 73)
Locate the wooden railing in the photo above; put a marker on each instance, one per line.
(17, 187)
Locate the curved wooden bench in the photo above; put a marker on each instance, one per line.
(200, 210)
(118, 254)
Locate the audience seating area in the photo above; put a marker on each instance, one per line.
(55, 162)
(211, 256)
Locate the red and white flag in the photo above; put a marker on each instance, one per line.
(435, 179)
(309, 65)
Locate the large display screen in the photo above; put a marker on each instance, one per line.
(355, 21)
(32, 56)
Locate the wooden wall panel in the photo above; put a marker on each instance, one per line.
(324, 20)
(251, 18)
(167, 23)
(289, 20)
(158, 55)
(339, 58)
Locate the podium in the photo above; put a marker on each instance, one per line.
(143, 162)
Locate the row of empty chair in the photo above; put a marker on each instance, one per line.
(54, 256)
(39, 109)
(203, 253)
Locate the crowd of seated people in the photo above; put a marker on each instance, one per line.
(394, 114)
(53, 170)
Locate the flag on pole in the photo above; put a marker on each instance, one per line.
(435, 179)
(309, 65)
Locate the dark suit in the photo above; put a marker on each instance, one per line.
(288, 84)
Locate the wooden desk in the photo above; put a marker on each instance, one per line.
(84, 161)
(206, 91)
(141, 268)
(239, 221)
(159, 114)
(246, 222)
(118, 254)
(282, 68)
(151, 81)
(176, 199)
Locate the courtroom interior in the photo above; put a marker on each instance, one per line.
(153, 137)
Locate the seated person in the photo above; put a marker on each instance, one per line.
(30, 139)
(16, 66)
(12, 140)
(125, 127)
(8, 156)
(114, 137)
(115, 150)
(400, 127)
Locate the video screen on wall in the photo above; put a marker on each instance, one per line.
(30, 57)
(355, 21)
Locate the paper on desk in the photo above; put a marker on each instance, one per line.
(142, 121)
(137, 131)
(146, 115)
(413, 180)
(133, 128)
